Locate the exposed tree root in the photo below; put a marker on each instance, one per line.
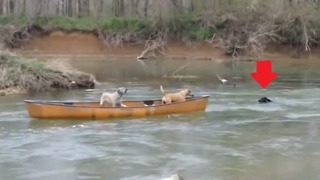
(154, 46)
(239, 38)
(112, 39)
(14, 37)
(301, 35)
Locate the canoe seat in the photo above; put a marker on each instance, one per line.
(148, 103)
(68, 103)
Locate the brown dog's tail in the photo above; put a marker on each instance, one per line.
(161, 89)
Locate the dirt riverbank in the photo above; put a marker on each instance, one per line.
(88, 45)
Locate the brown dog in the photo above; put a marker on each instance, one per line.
(175, 97)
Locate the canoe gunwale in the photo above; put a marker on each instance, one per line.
(65, 103)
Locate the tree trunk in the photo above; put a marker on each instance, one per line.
(146, 4)
(83, 8)
(1, 7)
(16, 7)
(132, 8)
(118, 7)
(101, 7)
(48, 8)
(75, 8)
(5, 7)
(78, 7)
(175, 3)
(60, 8)
(191, 6)
(136, 6)
(65, 7)
(42, 7)
(24, 7)
(11, 7)
(92, 8)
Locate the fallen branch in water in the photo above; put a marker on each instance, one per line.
(154, 48)
(179, 69)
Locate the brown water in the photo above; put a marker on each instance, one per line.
(235, 138)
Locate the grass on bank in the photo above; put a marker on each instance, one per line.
(28, 75)
(178, 26)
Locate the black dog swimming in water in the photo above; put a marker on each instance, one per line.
(264, 100)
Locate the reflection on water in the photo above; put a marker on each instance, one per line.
(182, 72)
(236, 138)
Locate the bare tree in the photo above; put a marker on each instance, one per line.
(5, 7)
(84, 8)
(1, 7)
(101, 7)
(133, 7)
(146, 4)
(191, 8)
(118, 7)
(92, 7)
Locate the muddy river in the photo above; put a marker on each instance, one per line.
(235, 138)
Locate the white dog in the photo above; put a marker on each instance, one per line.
(114, 98)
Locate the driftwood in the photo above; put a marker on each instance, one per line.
(153, 49)
(179, 69)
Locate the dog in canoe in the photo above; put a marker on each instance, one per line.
(180, 96)
(115, 98)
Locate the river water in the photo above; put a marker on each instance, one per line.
(235, 138)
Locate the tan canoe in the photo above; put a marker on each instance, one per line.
(92, 110)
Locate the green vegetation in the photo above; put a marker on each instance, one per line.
(178, 26)
(29, 75)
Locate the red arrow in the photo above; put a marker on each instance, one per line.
(264, 75)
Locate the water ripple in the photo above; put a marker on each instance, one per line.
(236, 138)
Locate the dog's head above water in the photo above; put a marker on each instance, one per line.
(264, 100)
(122, 90)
